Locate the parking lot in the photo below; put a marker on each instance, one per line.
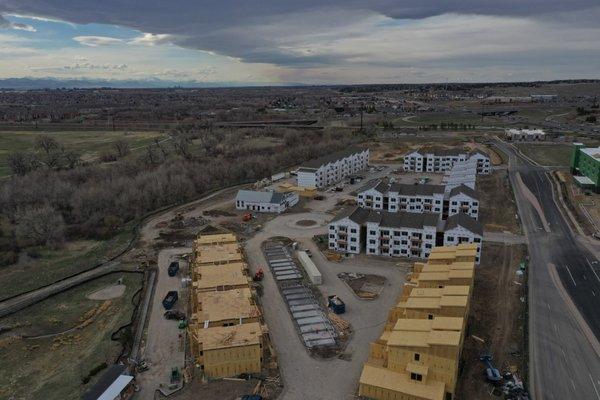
(165, 342)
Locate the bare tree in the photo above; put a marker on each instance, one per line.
(21, 163)
(41, 226)
(122, 147)
(46, 143)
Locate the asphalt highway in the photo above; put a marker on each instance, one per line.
(564, 293)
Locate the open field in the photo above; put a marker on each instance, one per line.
(87, 144)
(497, 320)
(54, 367)
(547, 154)
(52, 265)
(497, 206)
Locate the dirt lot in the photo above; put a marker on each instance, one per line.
(497, 320)
(365, 286)
(497, 205)
(55, 366)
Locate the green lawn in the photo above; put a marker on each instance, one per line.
(56, 264)
(87, 144)
(53, 367)
(546, 154)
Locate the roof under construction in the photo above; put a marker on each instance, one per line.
(426, 325)
(226, 305)
(218, 254)
(424, 339)
(451, 290)
(217, 238)
(435, 302)
(214, 276)
(223, 337)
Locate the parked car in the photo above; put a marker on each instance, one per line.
(170, 299)
(173, 268)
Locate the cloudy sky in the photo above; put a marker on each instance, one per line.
(303, 41)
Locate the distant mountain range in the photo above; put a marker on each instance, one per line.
(55, 83)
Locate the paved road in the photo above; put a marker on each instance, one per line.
(564, 294)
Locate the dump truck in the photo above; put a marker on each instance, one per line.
(336, 304)
(173, 268)
(170, 299)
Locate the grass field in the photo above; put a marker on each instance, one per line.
(438, 118)
(497, 207)
(53, 367)
(52, 265)
(87, 144)
(546, 154)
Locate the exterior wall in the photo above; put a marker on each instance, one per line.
(371, 199)
(344, 236)
(290, 200)
(379, 393)
(307, 178)
(399, 241)
(583, 164)
(333, 172)
(233, 361)
(458, 235)
(441, 163)
(484, 166)
(462, 202)
(441, 360)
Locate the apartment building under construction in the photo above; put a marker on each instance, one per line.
(418, 353)
(226, 332)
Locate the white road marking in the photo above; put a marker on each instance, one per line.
(555, 328)
(592, 268)
(571, 275)
(573, 384)
(593, 293)
(595, 388)
(548, 305)
(564, 355)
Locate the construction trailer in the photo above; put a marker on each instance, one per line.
(313, 273)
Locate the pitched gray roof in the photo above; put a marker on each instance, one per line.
(466, 190)
(338, 155)
(416, 190)
(254, 196)
(388, 219)
(462, 219)
(405, 189)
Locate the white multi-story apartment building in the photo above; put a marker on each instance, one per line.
(525, 135)
(265, 201)
(330, 169)
(443, 160)
(400, 234)
(397, 197)
(460, 228)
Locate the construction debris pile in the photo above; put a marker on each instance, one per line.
(417, 356)
(226, 330)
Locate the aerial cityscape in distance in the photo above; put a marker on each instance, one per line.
(391, 200)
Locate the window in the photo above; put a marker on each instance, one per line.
(428, 236)
(417, 357)
(353, 239)
(416, 377)
(372, 233)
(430, 316)
(372, 241)
(353, 230)
(353, 248)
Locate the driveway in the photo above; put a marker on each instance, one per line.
(165, 342)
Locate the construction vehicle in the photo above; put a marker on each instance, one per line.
(170, 299)
(336, 304)
(173, 268)
(491, 372)
(258, 276)
(247, 217)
